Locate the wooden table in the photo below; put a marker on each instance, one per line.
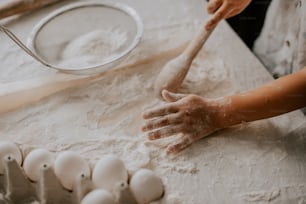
(258, 162)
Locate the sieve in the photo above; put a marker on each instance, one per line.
(84, 37)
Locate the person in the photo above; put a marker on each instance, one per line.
(282, 46)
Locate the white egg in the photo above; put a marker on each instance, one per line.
(146, 186)
(98, 196)
(68, 167)
(109, 172)
(35, 160)
(9, 149)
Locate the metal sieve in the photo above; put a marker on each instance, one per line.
(84, 37)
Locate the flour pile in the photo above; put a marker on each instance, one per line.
(95, 47)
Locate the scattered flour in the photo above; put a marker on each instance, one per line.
(184, 168)
(175, 198)
(105, 117)
(93, 48)
(262, 195)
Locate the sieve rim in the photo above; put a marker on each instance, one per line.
(99, 67)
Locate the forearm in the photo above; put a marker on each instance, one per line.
(275, 98)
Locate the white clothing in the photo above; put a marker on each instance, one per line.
(281, 45)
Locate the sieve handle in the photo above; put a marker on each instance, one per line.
(21, 6)
(13, 37)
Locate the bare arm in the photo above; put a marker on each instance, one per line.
(277, 97)
(196, 117)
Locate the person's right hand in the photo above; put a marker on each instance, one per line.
(190, 116)
(223, 9)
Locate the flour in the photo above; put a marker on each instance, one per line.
(95, 47)
(175, 198)
(105, 118)
(262, 196)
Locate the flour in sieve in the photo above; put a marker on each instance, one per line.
(92, 48)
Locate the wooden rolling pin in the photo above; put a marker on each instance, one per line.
(175, 71)
(21, 6)
(19, 94)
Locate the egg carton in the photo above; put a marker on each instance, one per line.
(39, 180)
(16, 188)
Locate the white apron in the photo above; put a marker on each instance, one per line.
(281, 45)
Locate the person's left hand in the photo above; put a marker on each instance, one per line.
(188, 115)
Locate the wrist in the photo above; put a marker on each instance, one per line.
(225, 113)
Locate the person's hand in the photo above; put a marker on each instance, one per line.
(223, 9)
(188, 115)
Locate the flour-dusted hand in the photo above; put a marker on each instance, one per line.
(191, 116)
(223, 9)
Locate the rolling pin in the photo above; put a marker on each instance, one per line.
(174, 72)
(21, 6)
(19, 94)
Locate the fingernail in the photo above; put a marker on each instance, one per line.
(164, 92)
(144, 115)
(152, 137)
(170, 150)
(208, 26)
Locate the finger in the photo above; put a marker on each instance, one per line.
(172, 97)
(165, 132)
(218, 16)
(182, 144)
(213, 5)
(160, 111)
(232, 13)
(171, 119)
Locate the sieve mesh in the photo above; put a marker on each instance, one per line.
(85, 36)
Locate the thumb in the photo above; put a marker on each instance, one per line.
(171, 97)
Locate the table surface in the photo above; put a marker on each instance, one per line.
(260, 162)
